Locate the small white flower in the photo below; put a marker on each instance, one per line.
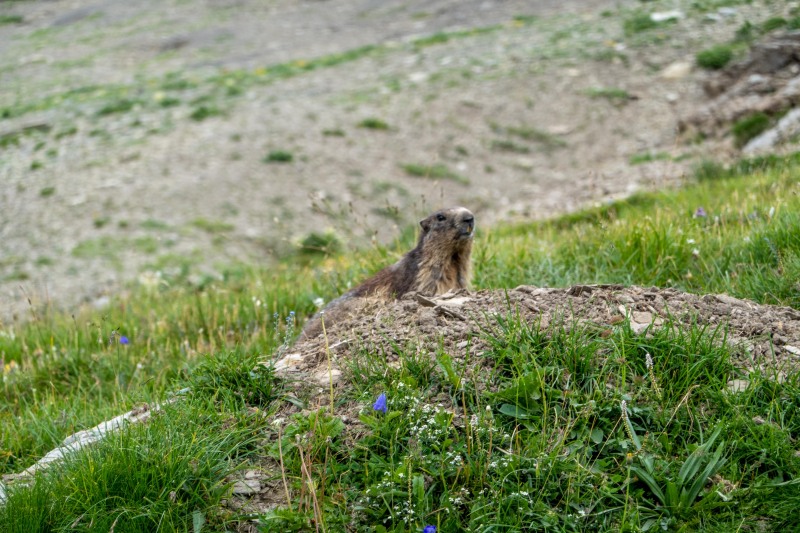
(690, 241)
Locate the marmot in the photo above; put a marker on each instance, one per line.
(439, 263)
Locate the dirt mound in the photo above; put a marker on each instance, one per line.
(769, 335)
(765, 84)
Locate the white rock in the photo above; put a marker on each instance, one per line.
(738, 385)
(245, 487)
(787, 127)
(289, 362)
(664, 16)
(677, 70)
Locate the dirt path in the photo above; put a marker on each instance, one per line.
(152, 139)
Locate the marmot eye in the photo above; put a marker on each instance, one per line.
(440, 217)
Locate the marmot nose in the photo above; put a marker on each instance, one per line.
(469, 220)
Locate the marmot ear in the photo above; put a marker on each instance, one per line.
(426, 224)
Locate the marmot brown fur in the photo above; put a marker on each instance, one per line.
(439, 263)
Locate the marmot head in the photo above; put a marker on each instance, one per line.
(456, 224)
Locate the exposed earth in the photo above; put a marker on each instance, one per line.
(163, 141)
(768, 336)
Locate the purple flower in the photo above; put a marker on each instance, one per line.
(123, 339)
(699, 213)
(380, 404)
(429, 529)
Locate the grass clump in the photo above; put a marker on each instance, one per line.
(320, 243)
(505, 145)
(372, 123)
(773, 23)
(648, 157)
(527, 133)
(750, 127)
(437, 172)
(11, 19)
(716, 57)
(122, 105)
(203, 112)
(278, 156)
(609, 93)
(640, 22)
(212, 226)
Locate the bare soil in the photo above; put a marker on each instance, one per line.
(767, 337)
(554, 109)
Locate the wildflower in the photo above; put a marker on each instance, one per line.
(380, 404)
(700, 213)
(429, 529)
(9, 367)
(123, 339)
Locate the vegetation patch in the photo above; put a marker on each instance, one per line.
(123, 105)
(641, 21)
(648, 157)
(212, 226)
(278, 156)
(320, 243)
(11, 19)
(529, 134)
(373, 123)
(750, 127)
(716, 57)
(203, 112)
(609, 93)
(437, 172)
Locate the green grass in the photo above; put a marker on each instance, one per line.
(278, 156)
(373, 123)
(11, 19)
(648, 157)
(212, 226)
(436, 172)
(123, 105)
(609, 93)
(716, 57)
(749, 127)
(526, 133)
(640, 22)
